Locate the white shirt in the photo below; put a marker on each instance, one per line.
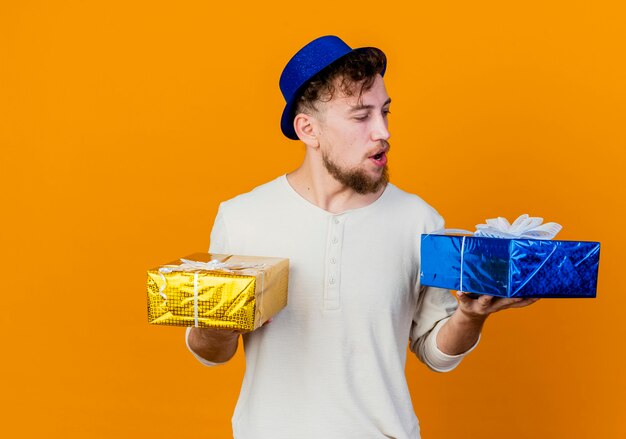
(331, 364)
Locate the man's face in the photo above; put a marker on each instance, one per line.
(353, 138)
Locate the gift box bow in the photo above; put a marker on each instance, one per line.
(524, 227)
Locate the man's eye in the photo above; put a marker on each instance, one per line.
(386, 112)
(364, 117)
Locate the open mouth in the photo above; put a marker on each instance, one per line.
(380, 159)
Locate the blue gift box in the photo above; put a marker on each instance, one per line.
(510, 267)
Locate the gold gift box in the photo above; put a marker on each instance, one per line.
(211, 290)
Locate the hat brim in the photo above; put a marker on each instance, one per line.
(287, 118)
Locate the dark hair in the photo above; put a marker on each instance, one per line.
(356, 72)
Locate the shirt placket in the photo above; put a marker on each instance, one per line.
(332, 283)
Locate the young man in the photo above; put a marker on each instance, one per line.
(331, 364)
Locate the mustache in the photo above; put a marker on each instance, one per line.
(384, 145)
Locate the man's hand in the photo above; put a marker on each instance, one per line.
(479, 307)
(215, 345)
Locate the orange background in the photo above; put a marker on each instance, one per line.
(124, 124)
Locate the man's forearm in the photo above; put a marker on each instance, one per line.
(462, 330)
(459, 333)
(217, 346)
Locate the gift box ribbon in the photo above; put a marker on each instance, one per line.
(213, 265)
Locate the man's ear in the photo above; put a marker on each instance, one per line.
(306, 127)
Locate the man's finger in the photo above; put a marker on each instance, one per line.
(467, 298)
(515, 302)
(524, 302)
(485, 301)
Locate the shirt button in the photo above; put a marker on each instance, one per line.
(335, 240)
(336, 221)
(332, 281)
(333, 260)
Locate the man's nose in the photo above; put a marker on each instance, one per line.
(380, 130)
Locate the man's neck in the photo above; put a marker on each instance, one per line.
(321, 189)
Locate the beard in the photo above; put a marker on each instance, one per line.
(356, 179)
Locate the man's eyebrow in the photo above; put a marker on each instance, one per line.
(367, 107)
